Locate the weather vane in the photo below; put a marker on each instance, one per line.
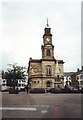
(47, 23)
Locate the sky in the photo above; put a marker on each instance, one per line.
(22, 24)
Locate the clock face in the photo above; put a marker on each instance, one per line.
(48, 39)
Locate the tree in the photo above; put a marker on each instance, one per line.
(13, 73)
(3, 74)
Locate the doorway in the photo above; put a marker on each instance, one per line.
(48, 84)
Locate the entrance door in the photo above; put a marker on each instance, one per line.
(48, 84)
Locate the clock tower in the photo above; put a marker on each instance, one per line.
(42, 73)
(47, 47)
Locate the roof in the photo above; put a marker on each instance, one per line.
(40, 60)
(79, 72)
(68, 73)
(60, 61)
(35, 60)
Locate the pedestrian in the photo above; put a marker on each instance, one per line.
(45, 90)
(27, 89)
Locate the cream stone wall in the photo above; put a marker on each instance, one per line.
(36, 83)
(61, 69)
(44, 64)
(62, 85)
(35, 69)
(49, 57)
(61, 72)
(37, 72)
(45, 80)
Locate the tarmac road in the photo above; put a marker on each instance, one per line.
(47, 105)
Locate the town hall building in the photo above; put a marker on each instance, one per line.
(46, 72)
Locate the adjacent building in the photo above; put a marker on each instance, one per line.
(74, 79)
(77, 78)
(22, 84)
(47, 72)
(4, 85)
(68, 79)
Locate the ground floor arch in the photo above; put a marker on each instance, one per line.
(48, 84)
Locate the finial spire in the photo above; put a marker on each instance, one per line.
(57, 58)
(57, 68)
(47, 25)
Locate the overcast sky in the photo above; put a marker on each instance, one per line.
(22, 26)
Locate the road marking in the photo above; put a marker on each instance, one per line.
(19, 108)
(44, 111)
(41, 106)
(45, 106)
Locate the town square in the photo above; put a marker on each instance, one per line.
(46, 105)
(41, 70)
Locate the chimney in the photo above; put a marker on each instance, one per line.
(77, 69)
(82, 67)
(30, 59)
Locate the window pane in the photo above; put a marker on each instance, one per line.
(48, 70)
(38, 81)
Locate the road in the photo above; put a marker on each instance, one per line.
(47, 105)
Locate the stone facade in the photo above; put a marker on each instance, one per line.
(42, 72)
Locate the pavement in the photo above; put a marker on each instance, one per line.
(47, 105)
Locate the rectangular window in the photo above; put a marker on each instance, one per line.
(4, 84)
(19, 80)
(38, 81)
(3, 81)
(48, 52)
(81, 82)
(19, 85)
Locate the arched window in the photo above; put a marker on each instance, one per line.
(48, 70)
(48, 52)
